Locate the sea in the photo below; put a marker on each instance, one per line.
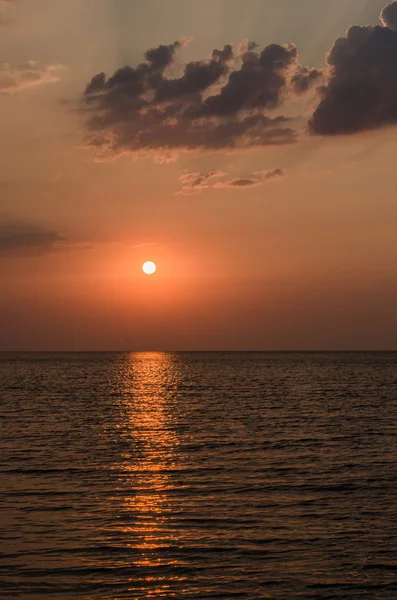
(198, 475)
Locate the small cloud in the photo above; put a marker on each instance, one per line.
(388, 16)
(28, 75)
(270, 174)
(305, 79)
(240, 183)
(195, 183)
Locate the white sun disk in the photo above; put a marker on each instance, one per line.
(149, 267)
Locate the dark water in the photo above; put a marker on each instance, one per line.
(198, 475)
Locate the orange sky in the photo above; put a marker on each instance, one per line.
(305, 260)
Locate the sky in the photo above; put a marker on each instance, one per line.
(247, 148)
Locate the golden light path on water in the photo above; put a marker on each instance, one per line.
(149, 382)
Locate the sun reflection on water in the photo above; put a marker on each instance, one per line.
(148, 383)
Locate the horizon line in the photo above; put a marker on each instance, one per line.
(320, 351)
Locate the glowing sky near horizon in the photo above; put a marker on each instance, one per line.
(277, 246)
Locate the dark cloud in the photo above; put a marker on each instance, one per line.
(229, 100)
(197, 77)
(217, 103)
(389, 16)
(159, 58)
(193, 182)
(362, 89)
(240, 183)
(22, 238)
(304, 79)
(258, 84)
(273, 174)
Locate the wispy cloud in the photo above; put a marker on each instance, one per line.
(144, 245)
(23, 239)
(195, 182)
(28, 75)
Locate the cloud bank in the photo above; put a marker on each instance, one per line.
(234, 99)
(215, 104)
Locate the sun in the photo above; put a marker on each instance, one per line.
(149, 267)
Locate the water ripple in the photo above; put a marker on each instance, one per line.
(198, 475)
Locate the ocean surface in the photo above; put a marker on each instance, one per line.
(198, 475)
